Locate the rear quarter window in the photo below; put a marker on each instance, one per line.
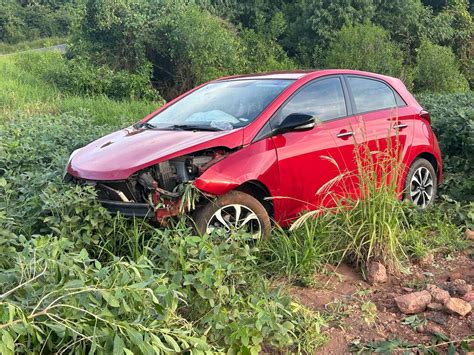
(372, 95)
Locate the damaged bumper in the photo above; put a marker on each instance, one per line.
(142, 210)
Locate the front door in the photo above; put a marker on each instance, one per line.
(310, 162)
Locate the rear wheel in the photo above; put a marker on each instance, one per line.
(421, 183)
(234, 211)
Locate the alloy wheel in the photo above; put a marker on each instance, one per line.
(421, 187)
(235, 217)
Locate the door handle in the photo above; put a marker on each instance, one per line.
(345, 134)
(400, 126)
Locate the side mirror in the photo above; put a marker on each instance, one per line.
(295, 122)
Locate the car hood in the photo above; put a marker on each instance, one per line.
(120, 154)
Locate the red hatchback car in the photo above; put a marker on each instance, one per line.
(245, 140)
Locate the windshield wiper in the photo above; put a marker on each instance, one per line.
(145, 125)
(188, 127)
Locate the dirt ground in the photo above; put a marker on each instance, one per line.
(360, 313)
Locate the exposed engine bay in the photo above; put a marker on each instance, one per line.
(159, 183)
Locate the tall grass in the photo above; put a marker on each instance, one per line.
(358, 229)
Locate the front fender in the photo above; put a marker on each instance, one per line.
(256, 161)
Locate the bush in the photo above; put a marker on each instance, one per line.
(365, 47)
(452, 115)
(188, 46)
(20, 21)
(79, 76)
(437, 70)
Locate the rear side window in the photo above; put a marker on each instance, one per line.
(371, 95)
(323, 99)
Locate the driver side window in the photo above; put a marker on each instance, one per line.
(323, 99)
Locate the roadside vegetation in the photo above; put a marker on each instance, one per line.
(76, 279)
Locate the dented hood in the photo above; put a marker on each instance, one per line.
(120, 154)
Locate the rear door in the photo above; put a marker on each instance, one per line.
(384, 121)
(311, 160)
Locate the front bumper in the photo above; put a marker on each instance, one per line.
(143, 210)
(129, 209)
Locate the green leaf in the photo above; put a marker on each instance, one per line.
(118, 345)
(110, 299)
(8, 341)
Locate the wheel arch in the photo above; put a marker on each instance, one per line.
(433, 161)
(258, 190)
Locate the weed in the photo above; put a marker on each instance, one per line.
(369, 312)
(414, 321)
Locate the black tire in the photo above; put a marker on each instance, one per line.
(203, 215)
(420, 199)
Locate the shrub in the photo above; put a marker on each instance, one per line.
(189, 46)
(365, 47)
(437, 70)
(79, 76)
(70, 302)
(452, 115)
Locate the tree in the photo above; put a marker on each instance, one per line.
(437, 69)
(365, 47)
(312, 25)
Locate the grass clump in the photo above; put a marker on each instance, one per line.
(376, 226)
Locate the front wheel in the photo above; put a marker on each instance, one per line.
(234, 211)
(421, 183)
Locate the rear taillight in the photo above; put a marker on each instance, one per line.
(426, 115)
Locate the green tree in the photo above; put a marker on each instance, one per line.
(188, 46)
(405, 21)
(437, 69)
(365, 47)
(313, 24)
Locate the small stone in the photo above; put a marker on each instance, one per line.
(433, 328)
(426, 260)
(458, 306)
(439, 295)
(413, 303)
(461, 287)
(438, 317)
(469, 297)
(454, 275)
(434, 306)
(469, 234)
(377, 273)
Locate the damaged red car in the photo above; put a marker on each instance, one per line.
(256, 148)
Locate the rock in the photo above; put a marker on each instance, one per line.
(468, 297)
(433, 328)
(377, 273)
(438, 317)
(469, 234)
(454, 275)
(434, 306)
(457, 287)
(407, 289)
(439, 295)
(458, 306)
(426, 260)
(461, 287)
(414, 302)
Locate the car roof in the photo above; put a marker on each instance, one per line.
(298, 74)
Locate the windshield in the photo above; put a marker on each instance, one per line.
(220, 105)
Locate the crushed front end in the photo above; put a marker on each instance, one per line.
(158, 192)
